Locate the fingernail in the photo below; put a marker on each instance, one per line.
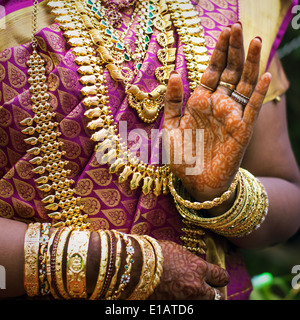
(239, 22)
(259, 38)
(173, 72)
(229, 26)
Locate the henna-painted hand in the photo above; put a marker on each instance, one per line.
(187, 277)
(227, 125)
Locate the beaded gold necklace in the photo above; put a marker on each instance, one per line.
(96, 46)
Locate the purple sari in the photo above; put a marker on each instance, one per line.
(108, 203)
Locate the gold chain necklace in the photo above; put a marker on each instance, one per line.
(87, 45)
(147, 104)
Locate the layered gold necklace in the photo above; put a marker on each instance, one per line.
(98, 46)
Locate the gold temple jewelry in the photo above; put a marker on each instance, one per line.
(147, 277)
(118, 157)
(203, 205)
(103, 265)
(188, 25)
(46, 150)
(227, 85)
(76, 263)
(193, 238)
(59, 262)
(31, 254)
(197, 58)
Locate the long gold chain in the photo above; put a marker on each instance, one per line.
(84, 34)
(46, 150)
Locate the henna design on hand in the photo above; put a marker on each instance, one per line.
(186, 276)
(227, 126)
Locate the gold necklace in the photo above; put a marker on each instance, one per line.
(147, 104)
(86, 42)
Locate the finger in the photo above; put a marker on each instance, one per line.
(236, 58)
(253, 107)
(251, 68)
(216, 276)
(209, 293)
(173, 101)
(212, 74)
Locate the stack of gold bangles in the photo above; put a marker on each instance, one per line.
(245, 216)
(57, 264)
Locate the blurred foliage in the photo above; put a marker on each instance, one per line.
(291, 64)
(279, 260)
(267, 287)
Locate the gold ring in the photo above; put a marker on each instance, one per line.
(207, 88)
(240, 98)
(217, 295)
(227, 85)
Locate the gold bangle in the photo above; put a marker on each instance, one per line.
(31, 253)
(48, 264)
(258, 212)
(206, 204)
(248, 213)
(143, 288)
(125, 278)
(159, 262)
(44, 239)
(59, 262)
(245, 216)
(195, 218)
(117, 265)
(103, 265)
(76, 263)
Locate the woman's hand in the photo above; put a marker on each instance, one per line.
(187, 277)
(227, 125)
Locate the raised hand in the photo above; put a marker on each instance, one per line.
(227, 125)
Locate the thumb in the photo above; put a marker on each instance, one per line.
(173, 101)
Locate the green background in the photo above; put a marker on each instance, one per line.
(278, 261)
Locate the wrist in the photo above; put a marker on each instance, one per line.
(222, 208)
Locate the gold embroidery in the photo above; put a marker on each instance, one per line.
(5, 117)
(6, 210)
(84, 187)
(3, 138)
(23, 209)
(25, 190)
(116, 216)
(156, 217)
(2, 73)
(91, 205)
(100, 176)
(6, 189)
(24, 169)
(110, 197)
